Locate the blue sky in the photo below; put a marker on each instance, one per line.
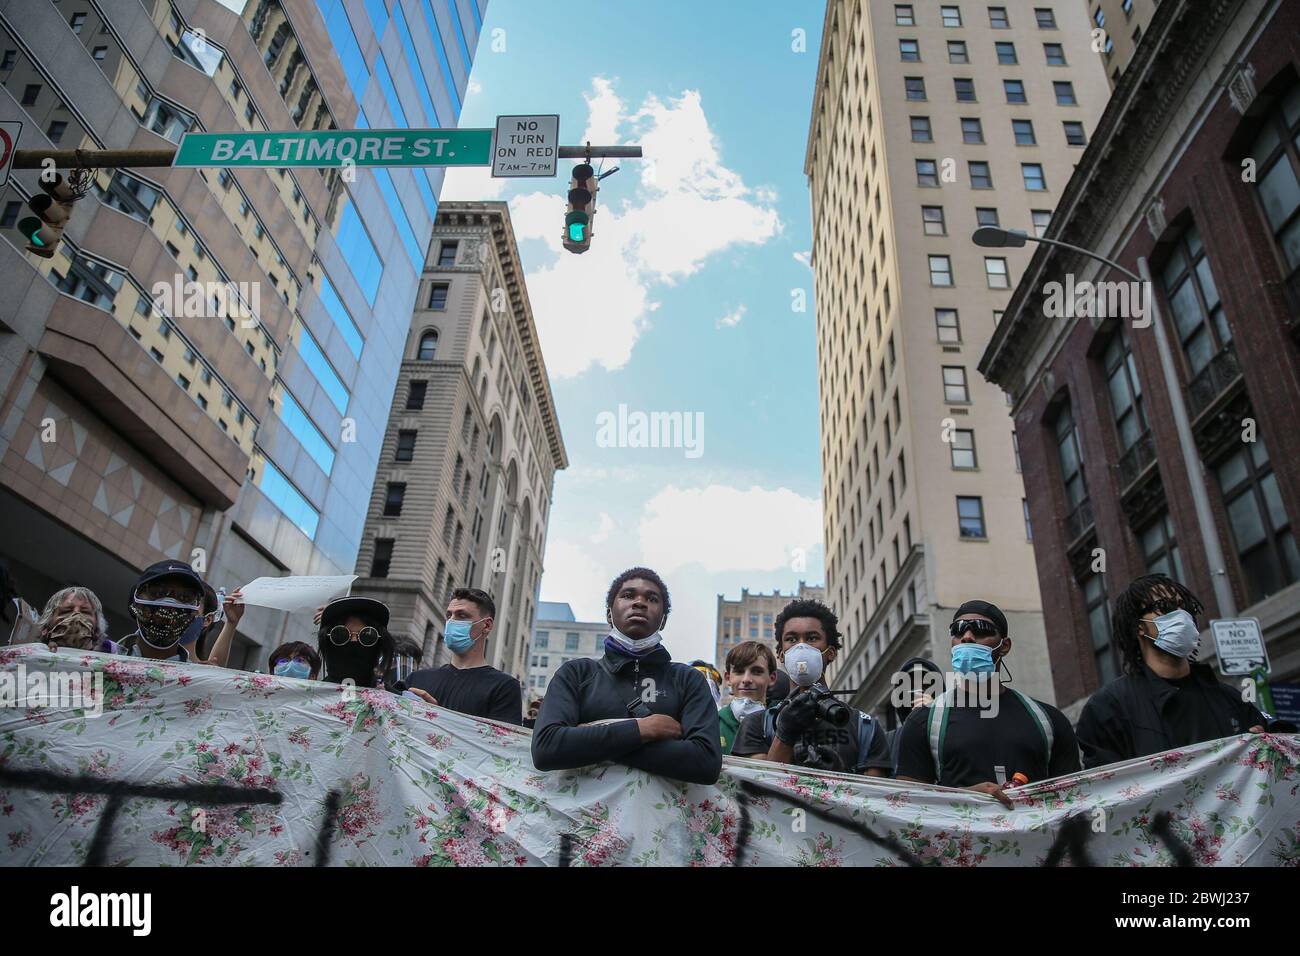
(684, 302)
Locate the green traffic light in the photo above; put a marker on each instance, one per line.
(31, 227)
(577, 231)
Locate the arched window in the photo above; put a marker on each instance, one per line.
(428, 346)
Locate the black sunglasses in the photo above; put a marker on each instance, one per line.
(981, 628)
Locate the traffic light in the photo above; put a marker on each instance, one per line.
(53, 206)
(581, 210)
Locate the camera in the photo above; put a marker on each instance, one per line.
(835, 712)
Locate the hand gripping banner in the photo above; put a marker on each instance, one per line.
(117, 761)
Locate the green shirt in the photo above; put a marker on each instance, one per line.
(729, 725)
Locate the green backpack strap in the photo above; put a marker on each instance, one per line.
(1041, 719)
(937, 726)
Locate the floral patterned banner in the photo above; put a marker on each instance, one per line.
(198, 765)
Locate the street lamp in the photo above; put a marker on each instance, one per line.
(994, 237)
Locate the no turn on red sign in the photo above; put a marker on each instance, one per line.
(9, 132)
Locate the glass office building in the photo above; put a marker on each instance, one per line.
(240, 431)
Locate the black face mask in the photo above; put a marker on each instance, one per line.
(350, 661)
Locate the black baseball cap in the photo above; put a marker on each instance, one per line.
(168, 569)
(991, 611)
(340, 609)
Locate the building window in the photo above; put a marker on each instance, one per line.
(947, 325)
(415, 393)
(957, 52)
(921, 130)
(393, 499)
(914, 87)
(965, 89)
(986, 216)
(980, 175)
(903, 15)
(998, 18)
(1098, 614)
(447, 254)
(1064, 93)
(1015, 90)
(1276, 151)
(932, 218)
(1033, 175)
(405, 446)
(1099, 17)
(428, 346)
(1006, 53)
(10, 216)
(1194, 302)
(1074, 134)
(570, 642)
(1029, 530)
(77, 22)
(1071, 459)
(995, 270)
(1045, 17)
(1055, 54)
(962, 449)
(55, 131)
(30, 92)
(927, 173)
(1042, 218)
(940, 271)
(1160, 548)
(955, 391)
(972, 131)
(951, 16)
(909, 51)
(1024, 132)
(1266, 549)
(1015, 448)
(1125, 390)
(382, 559)
(543, 638)
(970, 517)
(438, 295)
(8, 60)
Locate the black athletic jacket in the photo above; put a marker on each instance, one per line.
(584, 690)
(1125, 719)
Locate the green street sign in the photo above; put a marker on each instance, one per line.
(319, 148)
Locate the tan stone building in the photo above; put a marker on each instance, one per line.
(751, 618)
(1122, 24)
(463, 491)
(558, 636)
(929, 120)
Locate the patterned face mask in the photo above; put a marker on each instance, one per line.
(163, 622)
(74, 630)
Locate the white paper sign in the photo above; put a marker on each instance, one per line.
(296, 593)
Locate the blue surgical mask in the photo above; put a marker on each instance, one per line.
(970, 658)
(298, 669)
(1176, 633)
(457, 634)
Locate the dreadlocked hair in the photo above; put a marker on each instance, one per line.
(1136, 600)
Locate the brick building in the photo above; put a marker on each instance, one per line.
(1194, 167)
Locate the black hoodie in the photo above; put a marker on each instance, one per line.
(585, 690)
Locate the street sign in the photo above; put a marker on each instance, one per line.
(526, 145)
(9, 132)
(322, 148)
(1286, 701)
(1239, 644)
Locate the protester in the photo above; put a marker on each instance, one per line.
(751, 672)
(811, 728)
(713, 678)
(1164, 699)
(919, 681)
(73, 617)
(469, 684)
(232, 614)
(635, 705)
(534, 708)
(354, 641)
(295, 659)
(981, 733)
(166, 599)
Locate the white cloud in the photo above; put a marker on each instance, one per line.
(470, 184)
(604, 114)
(576, 577)
(720, 528)
(592, 308)
(473, 88)
(732, 318)
(804, 257)
(603, 532)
